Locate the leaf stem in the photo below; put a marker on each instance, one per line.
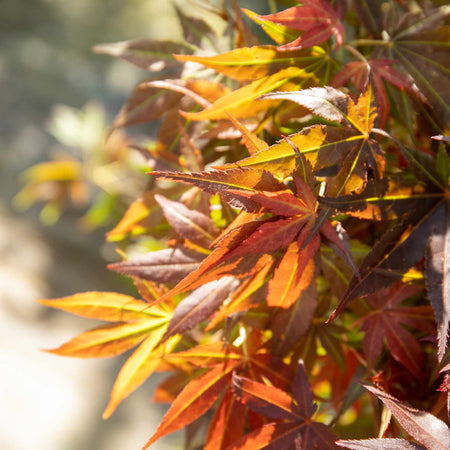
(272, 6)
(356, 53)
(358, 42)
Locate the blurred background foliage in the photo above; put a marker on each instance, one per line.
(58, 101)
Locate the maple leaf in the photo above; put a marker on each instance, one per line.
(151, 55)
(405, 244)
(384, 322)
(194, 400)
(296, 427)
(279, 33)
(142, 216)
(201, 393)
(360, 157)
(251, 293)
(289, 325)
(203, 92)
(240, 102)
(135, 322)
(295, 216)
(290, 228)
(422, 426)
(199, 305)
(222, 181)
(195, 30)
(228, 423)
(437, 275)
(251, 63)
(316, 18)
(418, 43)
(145, 103)
(426, 63)
(379, 444)
(189, 224)
(361, 73)
(162, 266)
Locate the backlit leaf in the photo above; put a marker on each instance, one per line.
(139, 366)
(251, 63)
(398, 249)
(227, 424)
(279, 33)
(195, 399)
(109, 340)
(317, 18)
(109, 306)
(274, 403)
(324, 146)
(215, 181)
(239, 103)
(271, 436)
(361, 73)
(266, 400)
(143, 214)
(248, 295)
(293, 275)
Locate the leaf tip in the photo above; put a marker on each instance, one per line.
(110, 408)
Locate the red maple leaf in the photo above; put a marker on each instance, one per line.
(291, 423)
(386, 321)
(316, 18)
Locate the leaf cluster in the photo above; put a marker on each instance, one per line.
(299, 192)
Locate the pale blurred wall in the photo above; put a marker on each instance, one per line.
(49, 402)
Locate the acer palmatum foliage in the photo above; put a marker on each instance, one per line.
(299, 192)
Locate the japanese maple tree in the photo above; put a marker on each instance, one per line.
(298, 296)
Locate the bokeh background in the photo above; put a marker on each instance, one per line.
(49, 78)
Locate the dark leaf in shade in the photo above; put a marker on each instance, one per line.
(422, 426)
(385, 322)
(302, 392)
(437, 274)
(397, 250)
(419, 44)
(146, 103)
(289, 325)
